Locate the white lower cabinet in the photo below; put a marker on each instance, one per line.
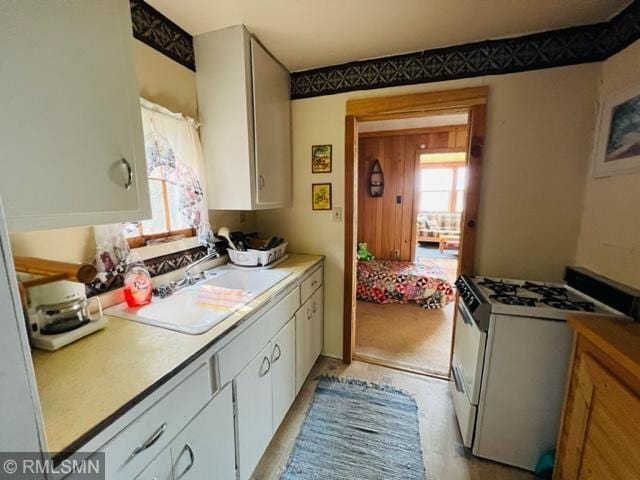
(283, 372)
(309, 335)
(189, 435)
(206, 447)
(254, 411)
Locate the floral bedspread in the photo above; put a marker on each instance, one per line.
(392, 281)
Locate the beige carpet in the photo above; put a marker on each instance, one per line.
(405, 336)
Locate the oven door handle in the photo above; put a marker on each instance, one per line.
(466, 314)
(456, 379)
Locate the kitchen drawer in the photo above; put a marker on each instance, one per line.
(308, 286)
(152, 431)
(233, 358)
(465, 410)
(159, 469)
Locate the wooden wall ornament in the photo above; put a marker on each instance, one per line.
(376, 179)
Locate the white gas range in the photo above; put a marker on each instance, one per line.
(510, 360)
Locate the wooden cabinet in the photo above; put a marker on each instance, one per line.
(283, 372)
(70, 128)
(245, 110)
(206, 448)
(309, 335)
(600, 434)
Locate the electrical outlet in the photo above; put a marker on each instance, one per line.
(337, 214)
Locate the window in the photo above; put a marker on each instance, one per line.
(177, 198)
(442, 188)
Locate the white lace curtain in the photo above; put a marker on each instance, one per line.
(176, 172)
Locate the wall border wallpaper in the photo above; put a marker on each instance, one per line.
(555, 48)
(159, 32)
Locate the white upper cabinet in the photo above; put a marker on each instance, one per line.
(70, 128)
(245, 110)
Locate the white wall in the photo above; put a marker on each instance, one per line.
(609, 241)
(539, 127)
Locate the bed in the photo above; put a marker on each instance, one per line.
(393, 281)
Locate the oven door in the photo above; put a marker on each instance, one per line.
(468, 350)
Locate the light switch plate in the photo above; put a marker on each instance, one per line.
(337, 214)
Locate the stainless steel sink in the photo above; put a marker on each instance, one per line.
(182, 312)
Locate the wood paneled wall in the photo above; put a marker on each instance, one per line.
(387, 223)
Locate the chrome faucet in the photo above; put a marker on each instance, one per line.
(189, 277)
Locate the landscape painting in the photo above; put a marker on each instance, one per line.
(321, 159)
(624, 133)
(618, 147)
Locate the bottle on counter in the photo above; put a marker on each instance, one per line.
(137, 282)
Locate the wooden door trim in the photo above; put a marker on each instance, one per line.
(411, 131)
(417, 103)
(472, 100)
(350, 227)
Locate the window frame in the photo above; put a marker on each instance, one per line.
(453, 191)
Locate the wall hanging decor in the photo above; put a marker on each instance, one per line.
(618, 144)
(321, 159)
(321, 196)
(376, 180)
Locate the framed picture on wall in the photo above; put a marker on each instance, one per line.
(618, 143)
(321, 158)
(321, 196)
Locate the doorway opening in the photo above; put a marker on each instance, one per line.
(426, 220)
(411, 186)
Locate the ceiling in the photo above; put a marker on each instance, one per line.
(414, 122)
(305, 34)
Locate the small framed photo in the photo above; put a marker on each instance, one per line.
(321, 196)
(321, 158)
(618, 142)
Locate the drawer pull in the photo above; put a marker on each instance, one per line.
(263, 372)
(275, 358)
(150, 441)
(192, 458)
(314, 283)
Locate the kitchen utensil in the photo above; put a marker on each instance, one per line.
(224, 232)
(239, 240)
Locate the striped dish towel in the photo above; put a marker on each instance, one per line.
(220, 298)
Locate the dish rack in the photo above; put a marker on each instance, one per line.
(255, 258)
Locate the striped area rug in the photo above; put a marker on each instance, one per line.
(356, 430)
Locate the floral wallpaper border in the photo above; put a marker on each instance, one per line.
(153, 28)
(556, 48)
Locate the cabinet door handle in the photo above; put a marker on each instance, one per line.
(260, 182)
(263, 372)
(150, 441)
(192, 458)
(127, 166)
(309, 312)
(275, 358)
(315, 307)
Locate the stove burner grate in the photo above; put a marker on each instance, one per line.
(514, 300)
(546, 291)
(499, 287)
(565, 304)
